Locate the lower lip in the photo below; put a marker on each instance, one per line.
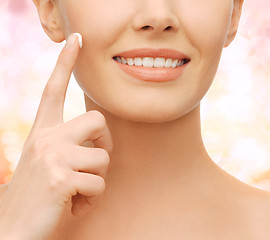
(153, 74)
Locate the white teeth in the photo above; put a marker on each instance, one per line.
(130, 61)
(148, 62)
(180, 63)
(138, 62)
(174, 64)
(159, 62)
(151, 62)
(123, 60)
(168, 63)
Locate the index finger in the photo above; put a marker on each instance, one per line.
(50, 111)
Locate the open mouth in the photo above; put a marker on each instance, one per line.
(150, 62)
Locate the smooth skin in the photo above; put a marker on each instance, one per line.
(158, 181)
(55, 169)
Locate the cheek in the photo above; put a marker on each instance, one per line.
(101, 28)
(207, 24)
(100, 22)
(206, 28)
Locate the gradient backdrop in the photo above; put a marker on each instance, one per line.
(235, 112)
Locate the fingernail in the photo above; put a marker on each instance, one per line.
(80, 38)
(70, 41)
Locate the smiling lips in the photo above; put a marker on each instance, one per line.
(157, 65)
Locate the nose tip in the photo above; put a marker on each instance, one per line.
(159, 18)
(152, 28)
(156, 25)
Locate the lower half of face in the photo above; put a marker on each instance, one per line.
(131, 98)
(200, 35)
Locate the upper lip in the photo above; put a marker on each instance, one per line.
(155, 53)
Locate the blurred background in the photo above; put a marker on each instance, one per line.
(235, 112)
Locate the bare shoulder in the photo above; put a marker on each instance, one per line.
(259, 199)
(246, 207)
(3, 189)
(257, 205)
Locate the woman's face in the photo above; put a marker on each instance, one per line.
(197, 28)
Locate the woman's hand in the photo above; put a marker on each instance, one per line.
(55, 170)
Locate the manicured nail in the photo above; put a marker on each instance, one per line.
(80, 38)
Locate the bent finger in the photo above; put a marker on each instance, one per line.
(95, 160)
(89, 185)
(91, 126)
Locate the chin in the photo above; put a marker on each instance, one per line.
(150, 114)
(145, 106)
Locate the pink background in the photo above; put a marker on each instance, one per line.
(235, 111)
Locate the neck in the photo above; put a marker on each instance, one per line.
(170, 155)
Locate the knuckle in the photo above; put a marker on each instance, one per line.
(38, 147)
(110, 147)
(57, 181)
(105, 158)
(97, 114)
(50, 157)
(42, 146)
(99, 185)
(99, 118)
